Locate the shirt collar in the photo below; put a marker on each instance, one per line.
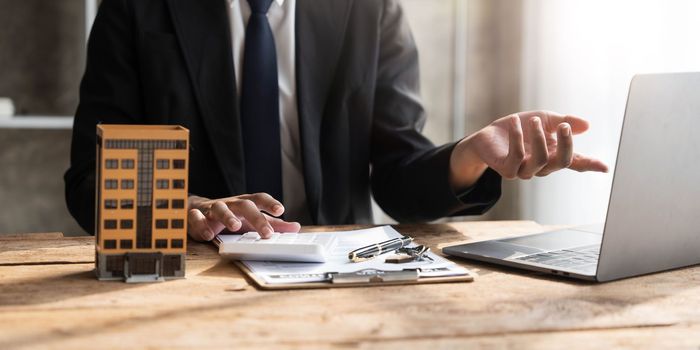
(279, 2)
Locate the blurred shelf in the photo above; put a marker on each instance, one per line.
(36, 122)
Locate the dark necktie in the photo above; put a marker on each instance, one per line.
(260, 105)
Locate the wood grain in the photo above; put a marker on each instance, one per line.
(63, 306)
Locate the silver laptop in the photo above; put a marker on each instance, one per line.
(653, 220)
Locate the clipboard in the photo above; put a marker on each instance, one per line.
(362, 278)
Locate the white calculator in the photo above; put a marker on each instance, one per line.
(294, 247)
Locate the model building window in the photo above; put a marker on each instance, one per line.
(161, 243)
(176, 243)
(110, 204)
(161, 203)
(161, 224)
(179, 184)
(111, 184)
(178, 164)
(127, 204)
(162, 184)
(110, 224)
(180, 144)
(111, 164)
(163, 164)
(110, 244)
(177, 223)
(126, 224)
(127, 163)
(178, 203)
(126, 244)
(127, 184)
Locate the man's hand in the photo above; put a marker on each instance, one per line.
(521, 146)
(248, 212)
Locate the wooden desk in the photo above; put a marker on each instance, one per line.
(49, 298)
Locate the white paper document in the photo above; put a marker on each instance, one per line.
(337, 260)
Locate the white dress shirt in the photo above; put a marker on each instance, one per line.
(281, 16)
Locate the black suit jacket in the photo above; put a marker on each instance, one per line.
(360, 114)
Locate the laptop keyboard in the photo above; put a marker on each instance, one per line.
(580, 258)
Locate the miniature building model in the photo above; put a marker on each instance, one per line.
(141, 202)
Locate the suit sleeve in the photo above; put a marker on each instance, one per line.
(110, 94)
(410, 176)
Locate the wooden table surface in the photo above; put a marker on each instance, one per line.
(49, 298)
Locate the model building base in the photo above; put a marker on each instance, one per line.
(140, 267)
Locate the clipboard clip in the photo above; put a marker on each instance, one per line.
(373, 276)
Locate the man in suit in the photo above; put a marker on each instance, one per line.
(297, 111)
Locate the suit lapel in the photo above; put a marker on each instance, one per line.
(202, 27)
(320, 28)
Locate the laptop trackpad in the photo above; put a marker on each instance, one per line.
(555, 240)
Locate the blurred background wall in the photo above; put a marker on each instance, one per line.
(42, 57)
(579, 57)
(480, 60)
(42, 54)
